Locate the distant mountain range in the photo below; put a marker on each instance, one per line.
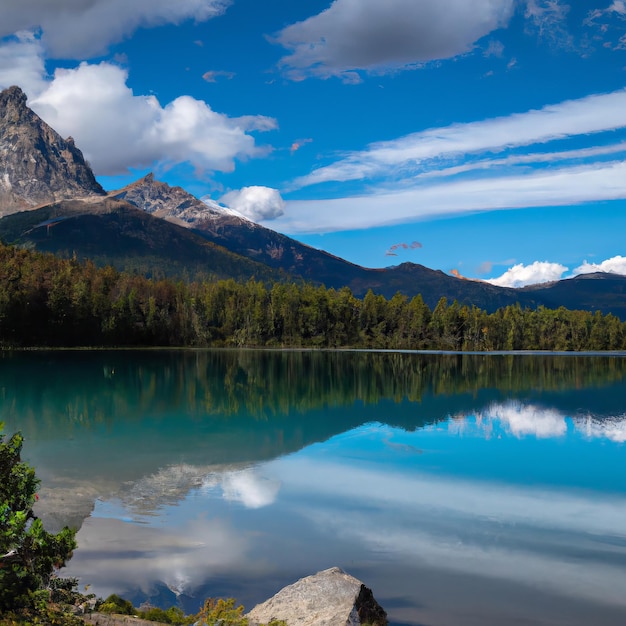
(50, 201)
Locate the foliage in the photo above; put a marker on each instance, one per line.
(28, 554)
(115, 604)
(173, 615)
(214, 612)
(47, 301)
(220, 612)
(223, 612)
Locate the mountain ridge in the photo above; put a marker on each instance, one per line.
(58, 171)
(43, 174)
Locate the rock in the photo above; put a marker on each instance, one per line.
(37, 165)
(329, 598)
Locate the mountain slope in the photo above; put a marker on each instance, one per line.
(113, 232)
(588, 292)
(278, 251)
(36, 164)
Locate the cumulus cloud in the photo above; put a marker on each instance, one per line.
(78, 29)
(117, 129)
(371, 35)
(614, 265)
(538, 272)
(22, 63)
(255, 202)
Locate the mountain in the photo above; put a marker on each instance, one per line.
(36, 164)
(51, 201)
(114, 232)
(243, 237)
(589, 292)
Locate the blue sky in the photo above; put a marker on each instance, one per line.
(485, 137)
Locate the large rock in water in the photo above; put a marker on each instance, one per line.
(329, 598)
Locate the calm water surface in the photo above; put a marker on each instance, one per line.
(463, 489)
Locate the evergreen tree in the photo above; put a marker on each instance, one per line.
(28, 554)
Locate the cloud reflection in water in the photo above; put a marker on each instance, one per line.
(520, 419)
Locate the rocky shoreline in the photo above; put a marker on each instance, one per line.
(328, 598)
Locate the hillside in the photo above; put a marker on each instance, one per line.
(113, 232)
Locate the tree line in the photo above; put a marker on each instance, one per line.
(48, 301)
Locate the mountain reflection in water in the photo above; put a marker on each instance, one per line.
(473, 489)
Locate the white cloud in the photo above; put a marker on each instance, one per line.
(22, 63)
(247, 487)
(84, 28)
(256, 203)
(614, 265)
(548, 19)
(550, 187)
(472, 167)
(178, 557)
(538, 272)
(521, 275)
(593, 114)
(613, 429)
(373, 35)
(117, 130)
(528, 419)
(522, 419)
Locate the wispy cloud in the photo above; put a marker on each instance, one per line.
(212, 75)
(413, 201)
(572, 118)
(607, 25)
(299, 143)
(548, 19)
(393, 250)
(562, 154)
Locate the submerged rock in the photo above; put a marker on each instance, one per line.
(329, 598)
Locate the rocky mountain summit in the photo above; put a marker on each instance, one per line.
(177, 205)
(37, 165)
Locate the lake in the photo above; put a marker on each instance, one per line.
(463, 489)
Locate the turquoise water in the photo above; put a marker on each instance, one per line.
(463, 489)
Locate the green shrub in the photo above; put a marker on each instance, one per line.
(115, 604)
(29, 555)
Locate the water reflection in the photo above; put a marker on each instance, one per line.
(519, 420)
(462, 488)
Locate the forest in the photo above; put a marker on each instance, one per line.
(46, 301)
